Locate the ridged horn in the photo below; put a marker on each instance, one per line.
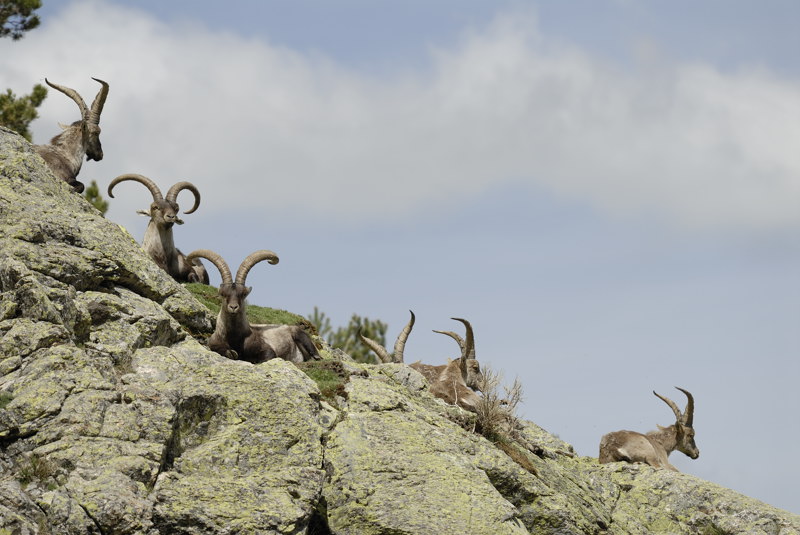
(216, 259)
(454, 336)
(251, 260)
(149, 184)
(379, 350)
(688, 414)
(99, 102)
(468, 349)
(400, 343)
(172, 194)
(71, 93)
(675, 410)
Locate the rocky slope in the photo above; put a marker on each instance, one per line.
(115, 419)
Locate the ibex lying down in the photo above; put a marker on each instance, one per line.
(234, 336)
(64, 154)
(158, 241)
(454, 382)
(654, 447)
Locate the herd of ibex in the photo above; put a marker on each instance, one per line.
(459, 382)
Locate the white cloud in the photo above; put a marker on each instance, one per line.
(272, 130)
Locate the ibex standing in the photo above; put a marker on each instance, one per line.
(454, 382)
(654, 447)
(64, 155)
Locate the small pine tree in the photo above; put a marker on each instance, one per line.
(346, 338)
(92, 195)
(18, 17)
(17, 113)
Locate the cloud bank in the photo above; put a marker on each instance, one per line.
(282, 133)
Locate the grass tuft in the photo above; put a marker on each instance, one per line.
(496, 417)
(35, 468)
(330, 376)
(5, 399)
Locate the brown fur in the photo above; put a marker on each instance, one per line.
(653, 448)
(454, 382)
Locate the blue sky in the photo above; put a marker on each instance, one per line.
(607, 189)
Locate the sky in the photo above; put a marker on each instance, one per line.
(607, 189)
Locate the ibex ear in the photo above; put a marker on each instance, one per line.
(178, 221)
(248, 290)
(63, 126)
(143, 212)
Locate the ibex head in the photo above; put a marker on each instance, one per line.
(683, 424)
(233, 291)
(164, 209)
(470, 368)
(90, 118)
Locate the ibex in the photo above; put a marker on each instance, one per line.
(64, 155)
(158, 241)
(454, 382)
(234, 336)
(654, 447)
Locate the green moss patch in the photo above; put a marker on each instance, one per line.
(209, 297)
(330, 377)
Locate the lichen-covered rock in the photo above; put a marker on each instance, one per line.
(394, 467)
(647, 500)
(115, 419)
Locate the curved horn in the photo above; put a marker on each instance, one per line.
(454, 336)
(688, 414)
(379, 350)
(172, 194)
(99, 101)
(71, 93)
(149, 184)
(400, 344)
(252, 260)
(678, 415)
(468, 349)
(214, 258)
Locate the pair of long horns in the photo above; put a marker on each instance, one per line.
(172, 193)
(687, 416)
(244, 268)
(467, 346)
(90, 115)
(399, 344)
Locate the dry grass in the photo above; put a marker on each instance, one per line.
(496, 417)
(496, 414)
